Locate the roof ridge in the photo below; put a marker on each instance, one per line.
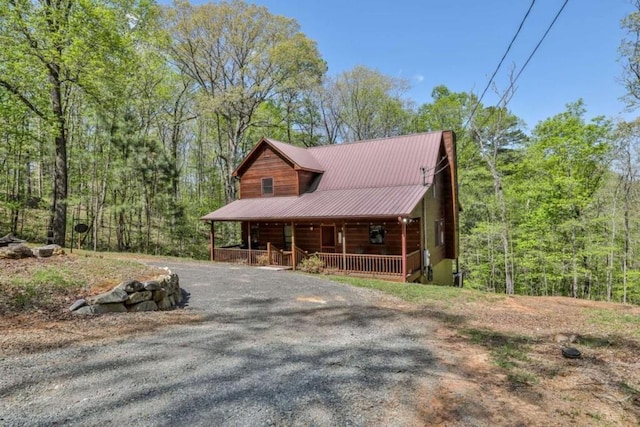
(373, 140)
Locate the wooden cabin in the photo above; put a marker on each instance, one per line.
(386, 208)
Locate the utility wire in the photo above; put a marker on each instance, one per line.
(533, 52)
(475, 107)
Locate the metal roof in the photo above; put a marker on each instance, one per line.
(299, 156)
(387, 162)
(351, 203)
(377, 178)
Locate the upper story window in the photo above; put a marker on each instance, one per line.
(267, 186)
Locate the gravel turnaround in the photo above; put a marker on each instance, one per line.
(275, 348)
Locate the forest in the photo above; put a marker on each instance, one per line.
(130, 117)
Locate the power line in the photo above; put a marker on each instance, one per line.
(513, 39)
(533, 52)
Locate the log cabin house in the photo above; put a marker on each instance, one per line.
(386, 208)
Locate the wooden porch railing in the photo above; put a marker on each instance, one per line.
(414, 262)
(300, 255)
(387, 265)
(377, 265)
(236, 255)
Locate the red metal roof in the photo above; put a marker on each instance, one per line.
(299, 156)
(387, 162)
(377, 178)
(352, 203)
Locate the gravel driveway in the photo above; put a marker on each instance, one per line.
(275, 348)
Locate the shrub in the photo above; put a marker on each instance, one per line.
(262, 260)
(312, 264)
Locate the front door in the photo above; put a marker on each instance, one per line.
(328, 238)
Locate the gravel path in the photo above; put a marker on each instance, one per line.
(276, 348)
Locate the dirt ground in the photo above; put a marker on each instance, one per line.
(504, 356)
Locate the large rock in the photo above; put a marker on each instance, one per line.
(42, 252)
(137, 297)
(57, 249)
(79, 303)
(131, 286)
(159, 295)
(143, 306)
(8, 239)
(165, 304)
(109, 308)
(113, 296)
(151, 285)
(87, 310)
(15, 251)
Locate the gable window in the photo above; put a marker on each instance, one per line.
(439, 232)
(267, 186)
(376, 234)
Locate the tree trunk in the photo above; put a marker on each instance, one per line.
(58, 225)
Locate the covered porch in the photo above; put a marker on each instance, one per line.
(386, 248)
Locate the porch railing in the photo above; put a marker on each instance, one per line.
(236, 255)
(413, 262)
(376, 265)
(388, 265)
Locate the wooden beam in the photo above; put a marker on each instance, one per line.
(212, 243)
(404, 248)
(293, 245)
(344, 247)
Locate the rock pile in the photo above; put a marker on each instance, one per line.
(19, 251)
(162, 293)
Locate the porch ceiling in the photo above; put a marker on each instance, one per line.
(349, 203)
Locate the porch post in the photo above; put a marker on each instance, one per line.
(249, 242)
(344, 247)
(404, 249)
(293, 245)
(212, 243)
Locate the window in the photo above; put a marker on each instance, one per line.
(267, 186)
(376, 234)
(439, 232)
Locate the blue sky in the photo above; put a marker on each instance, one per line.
(458, 43)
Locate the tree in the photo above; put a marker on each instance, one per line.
(567, 159)
(240, 56)
(370, 104)
(50, 50)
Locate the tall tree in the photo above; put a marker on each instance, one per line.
(370, 103)
(239, 55)
(50, 49)
(567, 159)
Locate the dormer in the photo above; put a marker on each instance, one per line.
(276, 169)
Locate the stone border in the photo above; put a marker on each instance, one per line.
(161, 293)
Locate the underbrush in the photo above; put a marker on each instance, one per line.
(50, 284)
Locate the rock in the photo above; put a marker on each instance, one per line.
(78, 304)
(564, 339)
(57, 249)
(159, 295)
(109, 308)
(42, 252)
(8, 239)
(178, 296)
(144, 306)
(113, 296)
(137, 297)
(165, 304)
(130, 286)
(87, 310)
(151, 285)
(15, 251)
